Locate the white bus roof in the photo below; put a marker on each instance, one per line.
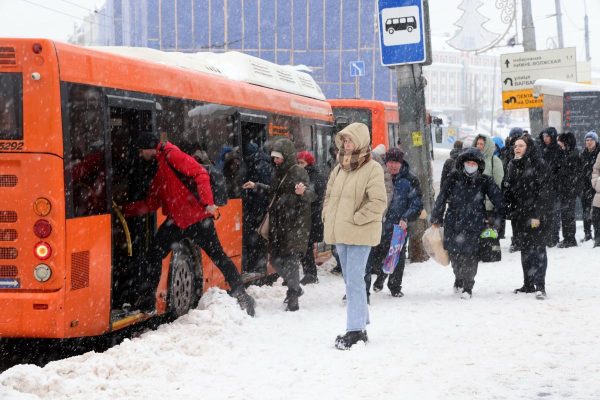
(231, 65)
(558, 88)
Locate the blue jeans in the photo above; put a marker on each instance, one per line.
(354, 260)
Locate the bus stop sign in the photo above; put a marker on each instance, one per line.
(402, 32)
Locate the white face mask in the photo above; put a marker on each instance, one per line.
(470, 169)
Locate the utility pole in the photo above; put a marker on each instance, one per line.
(587, 34)
(559, 29)
(536, 115)
(417, 145)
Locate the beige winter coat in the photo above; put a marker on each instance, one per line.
(596, 182)
(355, 201)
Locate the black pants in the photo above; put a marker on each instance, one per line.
(395, 278)
(586, 206)
(464, 266)
(567, 218)
(309, 265)
(288, 267)
(534, 262)
(204, 235)
(596, 223)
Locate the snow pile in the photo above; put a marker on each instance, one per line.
(429, 344)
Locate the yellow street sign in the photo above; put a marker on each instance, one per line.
(417, 138)
(514, 99)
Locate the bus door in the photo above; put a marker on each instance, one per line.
(129, 179)
(322, 138)
(252, 136)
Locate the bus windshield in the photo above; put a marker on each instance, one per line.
(11, 89)
(354, 115)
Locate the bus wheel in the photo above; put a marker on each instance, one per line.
(182, 282)
(391, 31)
(410, 28)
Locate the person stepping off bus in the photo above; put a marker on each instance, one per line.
(189, 215)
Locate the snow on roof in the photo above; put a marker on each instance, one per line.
(231, 65)
(558, 88)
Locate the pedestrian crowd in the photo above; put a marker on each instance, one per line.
(365, 206)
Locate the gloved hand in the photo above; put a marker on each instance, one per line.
(489, 233)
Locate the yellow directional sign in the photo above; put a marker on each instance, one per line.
(417, 138)
(514, 99)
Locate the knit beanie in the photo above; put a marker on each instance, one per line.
(394, 154)
(147, 141)
(592, 135)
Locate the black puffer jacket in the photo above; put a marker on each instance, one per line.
(568, 167)
(465, 217)
(550, 153)
(587, 160)
(318, 184)
(528, 195)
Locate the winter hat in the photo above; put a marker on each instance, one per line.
(306, 156)
(146, 141)
(498, 141)
(394, 154)
(276, 154)
(592, 135)
(515, 132)
(357, 132)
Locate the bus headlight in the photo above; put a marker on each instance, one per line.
(42, 272)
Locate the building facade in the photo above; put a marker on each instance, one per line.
(327, 36)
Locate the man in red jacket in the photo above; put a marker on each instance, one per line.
(189, 215)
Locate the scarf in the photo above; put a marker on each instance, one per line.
(353, 160)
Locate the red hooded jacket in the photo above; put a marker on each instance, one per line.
(167, 190)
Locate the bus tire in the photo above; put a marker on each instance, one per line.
(182, 295)
(409, 29)
(391, 31)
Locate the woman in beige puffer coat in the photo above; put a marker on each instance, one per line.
(353, 209)
(596, 201)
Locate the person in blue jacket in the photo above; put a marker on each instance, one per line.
(405, 206)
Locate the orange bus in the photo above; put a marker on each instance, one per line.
(380, 116)
(69, 117)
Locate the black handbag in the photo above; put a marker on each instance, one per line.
(489, 250)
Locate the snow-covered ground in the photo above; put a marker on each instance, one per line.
(428, 345)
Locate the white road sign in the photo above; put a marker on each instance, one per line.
(520, 70)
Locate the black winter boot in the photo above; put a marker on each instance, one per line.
(378, 284)
(540, 292)
(345, 342)
(245, 301)
(597, 241)
(309, 279)
(292, 299)
(525, 289)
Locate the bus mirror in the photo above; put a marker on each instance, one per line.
(439, 138)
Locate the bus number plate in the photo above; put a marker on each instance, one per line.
(11, 146)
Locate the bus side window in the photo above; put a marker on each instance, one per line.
(85, 175)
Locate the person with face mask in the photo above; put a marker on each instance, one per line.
(528, 203)
(460, 208)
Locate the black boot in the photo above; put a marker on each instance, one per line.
(588, 236)
(597, 241)
(378, 284)
(309, 279)
(540, 292)
(525, 289)
(245, 301)
(397, 292)
(292, 299)
(345, 342)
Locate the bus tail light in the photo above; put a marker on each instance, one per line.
(42, 250)
(37, 48)
(42, 228)
(42, 272)
(42, 206)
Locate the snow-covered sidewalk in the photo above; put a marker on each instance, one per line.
(428, 345)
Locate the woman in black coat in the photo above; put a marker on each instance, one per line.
(464, 219)
(528, 203)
